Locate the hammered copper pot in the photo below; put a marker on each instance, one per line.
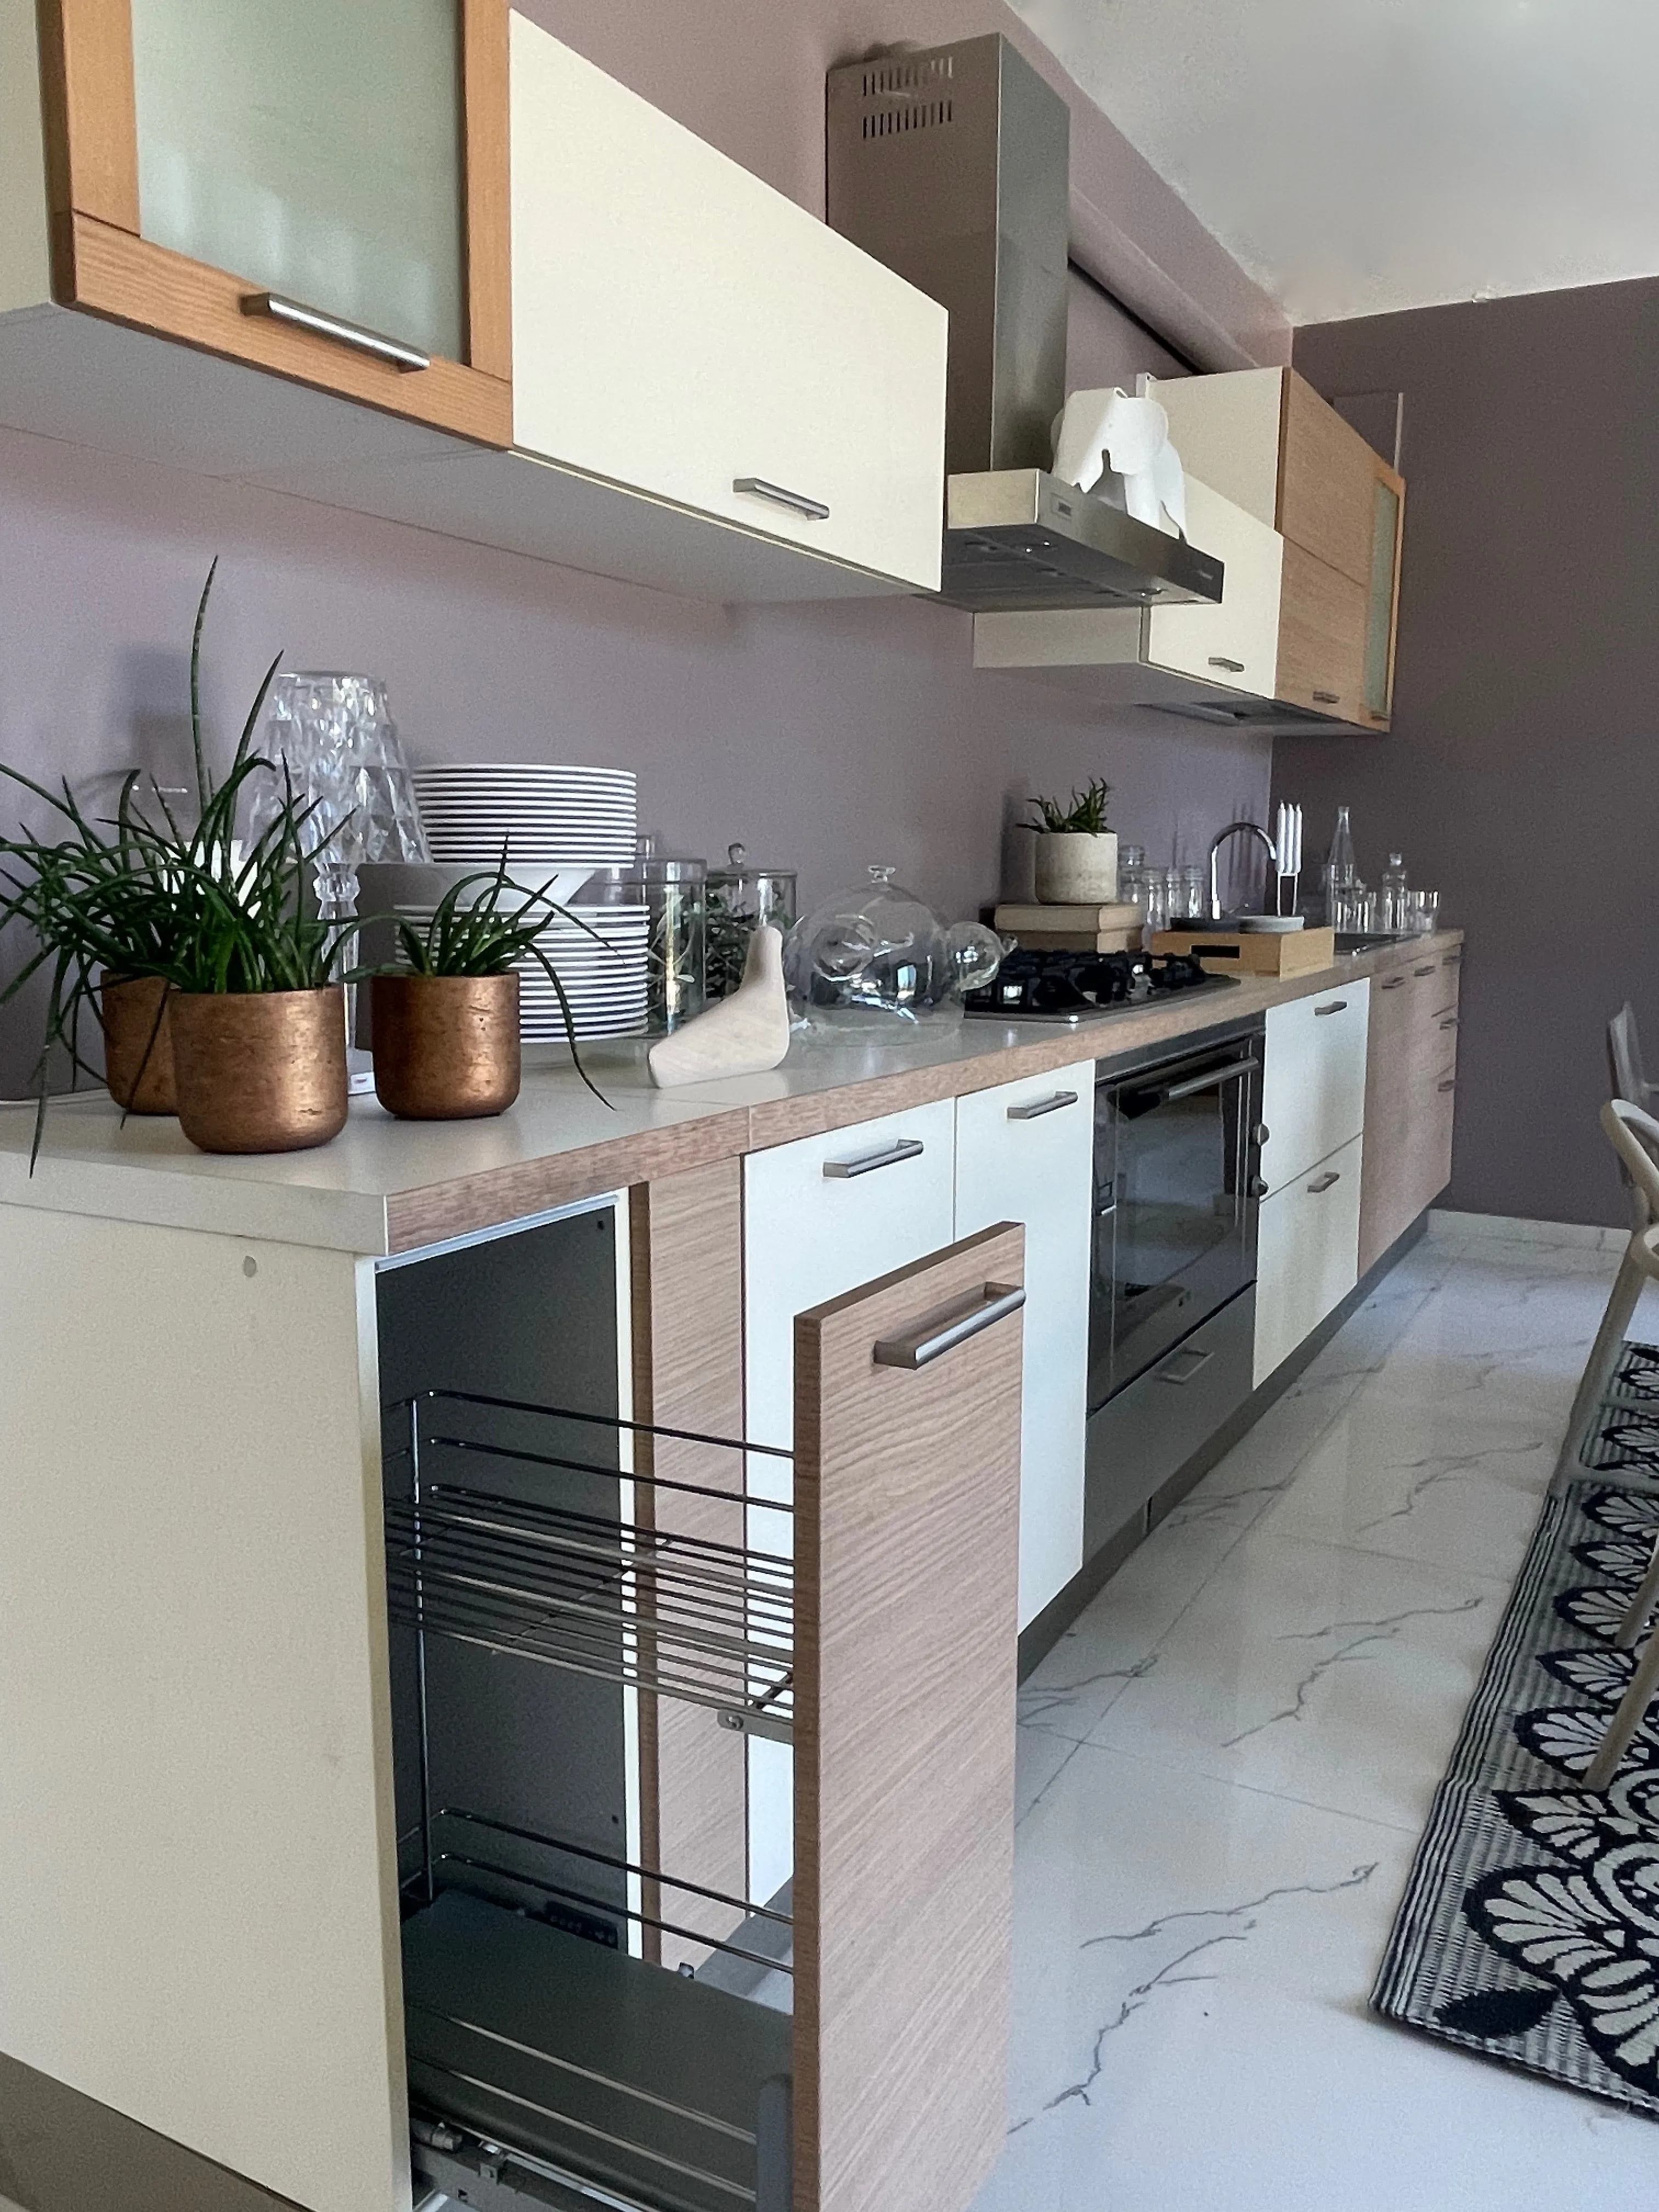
(260, 1071)
(137, 1025)
(445, 1047)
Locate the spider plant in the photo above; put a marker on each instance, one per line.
(487, 934)
(141, 893)
(1086, 816)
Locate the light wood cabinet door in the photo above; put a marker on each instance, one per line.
(680, 328)
(1025, 1153)
(906, 1501)
(216, 175)
(1322, 637)
(1410, 1097)
(1324, 480)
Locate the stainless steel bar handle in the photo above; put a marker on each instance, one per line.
(1336, 1007)
(780, 495)
(1328, 698)
(908, 1148)
(1324, 1182)
(295, 312)
(922, 1349)
(1197, 1082)
(1450, 1083)
(1220, 660)
(1038, 1107)
(1392, 983)
(1428, 970)
(1180, 1366)
(1451, 1021)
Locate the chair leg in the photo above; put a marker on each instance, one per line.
(1599, 1368)
(1641, 1606)
(1632, 1707)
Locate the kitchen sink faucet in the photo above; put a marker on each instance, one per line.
(1233, 830)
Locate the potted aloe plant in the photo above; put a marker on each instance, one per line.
(1076, 849)
(445, 1019)
(192, 948)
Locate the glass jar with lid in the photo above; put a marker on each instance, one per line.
(741, 897)
(877, 955)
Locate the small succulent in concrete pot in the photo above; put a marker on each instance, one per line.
(445, 1019)
(1076, 851)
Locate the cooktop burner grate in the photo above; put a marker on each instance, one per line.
(1071, 987)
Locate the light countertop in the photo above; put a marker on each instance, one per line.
(385, 1186)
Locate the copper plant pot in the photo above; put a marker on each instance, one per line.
(260, 1071)
(137, 1025)
(445, 1047)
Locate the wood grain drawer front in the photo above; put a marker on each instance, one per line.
(680, 328)
(1322, 637)
(1307, 1254)
(1312, 1085)
(1025, 1153)
(908, 1506)
(1237, 643)
(1408, 1114)
(1327, 483)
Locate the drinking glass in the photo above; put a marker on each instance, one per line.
(1194, 892)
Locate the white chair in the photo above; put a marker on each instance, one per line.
(1628, 1076)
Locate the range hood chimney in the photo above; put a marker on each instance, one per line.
(952, 165)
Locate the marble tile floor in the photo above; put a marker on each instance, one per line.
(1223, 1767)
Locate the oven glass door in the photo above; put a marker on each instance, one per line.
(1175, 1205)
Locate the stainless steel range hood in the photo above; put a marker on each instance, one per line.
(951, 164)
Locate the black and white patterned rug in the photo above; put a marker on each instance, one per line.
(1529, 1928)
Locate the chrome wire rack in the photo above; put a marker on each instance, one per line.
(505, 1530)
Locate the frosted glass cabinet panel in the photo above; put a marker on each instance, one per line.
(312, 148)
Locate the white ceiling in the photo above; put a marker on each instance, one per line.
(1361, 156)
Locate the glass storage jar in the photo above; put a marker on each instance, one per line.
(741, 897)
(878, 955)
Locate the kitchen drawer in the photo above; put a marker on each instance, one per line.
(1322, 637)
(1312, 1085)
(1307, 1254)
(680, 328)
(820, 1217)
(1025, 1153)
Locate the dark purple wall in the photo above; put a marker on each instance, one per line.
(1522, 774)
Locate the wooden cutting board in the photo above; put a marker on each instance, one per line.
(1254, 952)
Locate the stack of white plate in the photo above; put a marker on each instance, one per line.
(555, 816)
(604, 974)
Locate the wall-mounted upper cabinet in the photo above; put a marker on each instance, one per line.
(502, 297)
(1266, 438)
(1190, 659)
(216, 174)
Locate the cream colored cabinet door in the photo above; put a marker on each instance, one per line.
(1025, 1153)
(680, 328)
(1313, 1079)
(1307, 1254)
(1237, 643)
(820, 1217)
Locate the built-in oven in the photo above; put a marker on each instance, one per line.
(1177, 1184)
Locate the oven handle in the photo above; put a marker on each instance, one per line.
(1194, 1083)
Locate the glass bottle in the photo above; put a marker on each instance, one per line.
(1395, 905)
(1340, 874)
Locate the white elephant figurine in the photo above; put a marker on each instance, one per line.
(1100, 430)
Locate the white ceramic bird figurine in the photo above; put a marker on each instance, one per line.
(743, 1035)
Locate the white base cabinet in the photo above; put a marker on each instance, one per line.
(820, 1217)
(1024, 1153)
(1307, 1254)
(1313, 1079)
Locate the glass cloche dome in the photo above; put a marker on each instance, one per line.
(880, 954)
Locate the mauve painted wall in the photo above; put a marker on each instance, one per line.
(1522, 774)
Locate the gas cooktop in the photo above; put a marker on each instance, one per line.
(1079, 987)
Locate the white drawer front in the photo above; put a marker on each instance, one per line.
(809, 1235)
(1313, 1082)
(1024, 1153)
(1307, 1254)
(678, 327)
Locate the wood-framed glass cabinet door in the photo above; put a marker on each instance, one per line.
(320, 190)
